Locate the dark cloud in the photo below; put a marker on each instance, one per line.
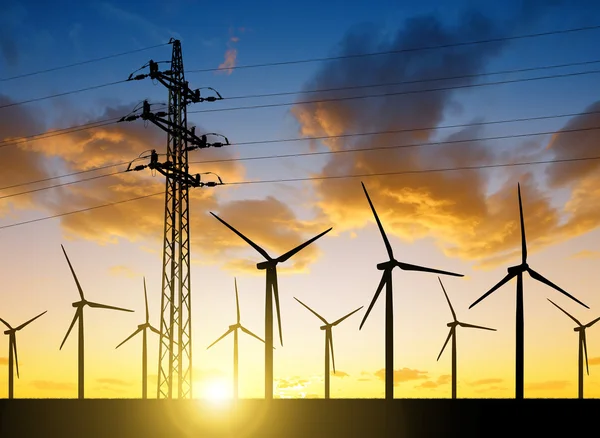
(465, 215)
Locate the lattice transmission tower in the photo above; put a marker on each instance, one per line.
(175, 348)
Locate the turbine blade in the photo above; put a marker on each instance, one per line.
(385, 239)
(129, 337)
(6, 324)
(313, 312)
(222, 336)
(591, 323)
(464, 324)
(450, 333)
(377, 292)
(237, 301)
(544, 280)
(276, 296)
(146, 301)
(333, 324)
(292, 252)
(409, 267)
(331, 348)
(505, 280)
(14, 345)
(523, 242)
(73, 272)
(71, 327)
(448, 299)
(155, 330)
(104, 306)
(585, 351)
(248, 332)
(30, 321)
(565, 312)
(248, 241)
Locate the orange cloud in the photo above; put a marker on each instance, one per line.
(469, 214)
(269, 221)
(586, 254)
(481, 382)
(432, 384)
(49, 385)
(339, 373)
(121, 270)
(229, 62)
(402, 375)
(549, 385)
(594, 361)
(113, 382)
(3, 360)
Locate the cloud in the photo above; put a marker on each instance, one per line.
(471, 215)
(482, 382)
(432, 384)
(3, 360)
(549, 385)
(230, 54)
(268, 221)
(107, 381)
(124, 271)
(586, 254)
(50, 385)
(339, 373)
(594, 361)
(403, 375)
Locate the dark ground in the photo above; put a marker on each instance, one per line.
(298, 418)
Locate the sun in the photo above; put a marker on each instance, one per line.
(217, 391)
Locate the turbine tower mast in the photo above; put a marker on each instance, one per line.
(175, 350)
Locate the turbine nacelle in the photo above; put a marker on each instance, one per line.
(234, 326)
(519, 269)
(8, 332)
(266, 264)
(325, 327)
(387, 265)
(576, 329)
(79, 303)
(452, 324)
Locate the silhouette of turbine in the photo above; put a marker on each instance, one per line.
(452, 334)
(234, 328)
(271, 291)
(517, 271)
(79, 305)
(143, 328)
(582, 346)
(328, 341)
(12, 348)
(386, 279)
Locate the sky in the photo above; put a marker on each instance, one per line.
(431, 110)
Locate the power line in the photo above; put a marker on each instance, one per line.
(419, 81)
(304, 154)
(89, 61)
(398, 93)
(325, 177)
(105, 122)
(389, 52)
(411, 145)
(65, 93)
(354, 87)
(325, 137)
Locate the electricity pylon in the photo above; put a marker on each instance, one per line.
(175, 350)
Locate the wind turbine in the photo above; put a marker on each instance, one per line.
(12, 348)
(271, 291)
(143, 328)
(328, 341)
(386, 280)
(517, 271)
(582, 346)
(452, 334)
(79, 305)
(234, 328)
